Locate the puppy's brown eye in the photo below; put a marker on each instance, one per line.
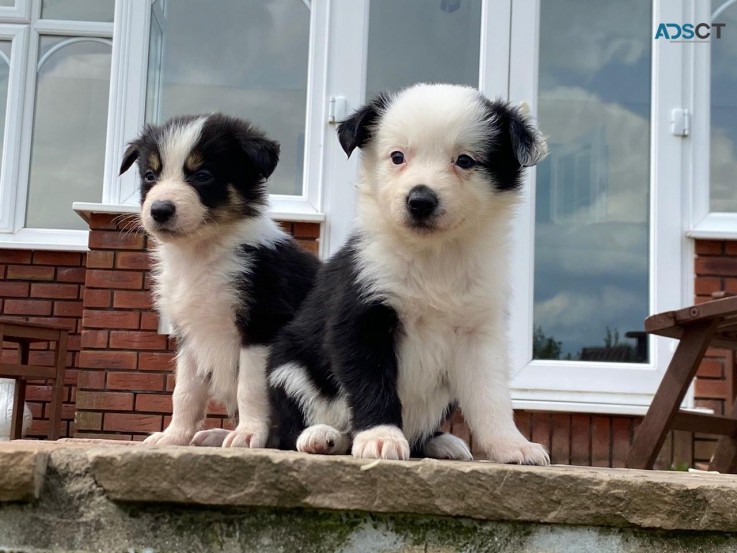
(397, 158)
(203, 177)
(465, 162)
(149, 177)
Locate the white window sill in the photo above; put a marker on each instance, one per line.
(281, 208)
(45, 239)
(715, 226)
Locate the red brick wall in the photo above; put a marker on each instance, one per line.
(126, 377)
(715, 270)
(44, 287)
(124, 371)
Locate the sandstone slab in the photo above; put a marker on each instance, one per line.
(476, 490)
(22, 471)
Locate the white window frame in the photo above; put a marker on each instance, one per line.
(613, 388)
(18, 35)
(25, 23)
(704, 223)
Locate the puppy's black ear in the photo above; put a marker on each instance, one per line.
(528, 144)
(358, 129)
(131, 154)
(263, 153)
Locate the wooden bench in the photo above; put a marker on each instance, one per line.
(24, 334)
(711, 324)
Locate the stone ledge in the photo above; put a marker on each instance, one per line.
(476, 490)
(21, 472)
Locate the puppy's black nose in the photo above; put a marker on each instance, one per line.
(162, 211)
(422, 201)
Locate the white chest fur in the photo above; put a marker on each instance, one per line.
(194, 290)
(444, 299)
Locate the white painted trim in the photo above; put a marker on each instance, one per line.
(494, 58)
(594, 408)
(20, 13)
(524, 39)
(18, 35)
(316, 117)
(46, 239)
(715, 226)
(127, 105)
(278, 211)
(347, 48)
(618, 386)
(26, 127)
(53, 27)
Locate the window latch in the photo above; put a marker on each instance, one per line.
(337, 109)
(680, 122)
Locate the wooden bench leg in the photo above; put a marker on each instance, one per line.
(725, 456)
(19, 398)
(57, 394)
(681, 371)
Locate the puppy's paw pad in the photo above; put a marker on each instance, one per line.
(447, 446)
(520, 453)
(212, 437)
(381, 442)
(323, 439)
(246, 438)
(168, 438)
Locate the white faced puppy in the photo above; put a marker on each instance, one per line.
(225, 276)
(410, 316)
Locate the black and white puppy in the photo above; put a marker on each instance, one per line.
(410, 317)
(225, 276)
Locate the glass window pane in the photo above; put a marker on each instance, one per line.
(5, 47)
(69, 125)
(247, 59)
(7, 3)
(592, 194)
(723, 151)
(414, 41)
(78, 10)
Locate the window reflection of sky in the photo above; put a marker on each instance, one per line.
(591, 251)
(414, 41)
(247, 59)
(724, 112)
(69, 126)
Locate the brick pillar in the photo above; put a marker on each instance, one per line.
(715, 270)
(126, 367)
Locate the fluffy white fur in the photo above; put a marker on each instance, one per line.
(449, 287)
(298, 385)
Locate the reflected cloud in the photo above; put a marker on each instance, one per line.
(723, 177)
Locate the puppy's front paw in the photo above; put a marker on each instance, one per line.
(246, 437)
(323, 439)
(169, 437)
(518, 451)
(212, 437)
(381, 442)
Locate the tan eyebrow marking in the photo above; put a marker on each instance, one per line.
(194, 162)
(154, 161)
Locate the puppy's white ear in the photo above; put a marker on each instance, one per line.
(358, 129)
(528, 143)
(131, 154)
